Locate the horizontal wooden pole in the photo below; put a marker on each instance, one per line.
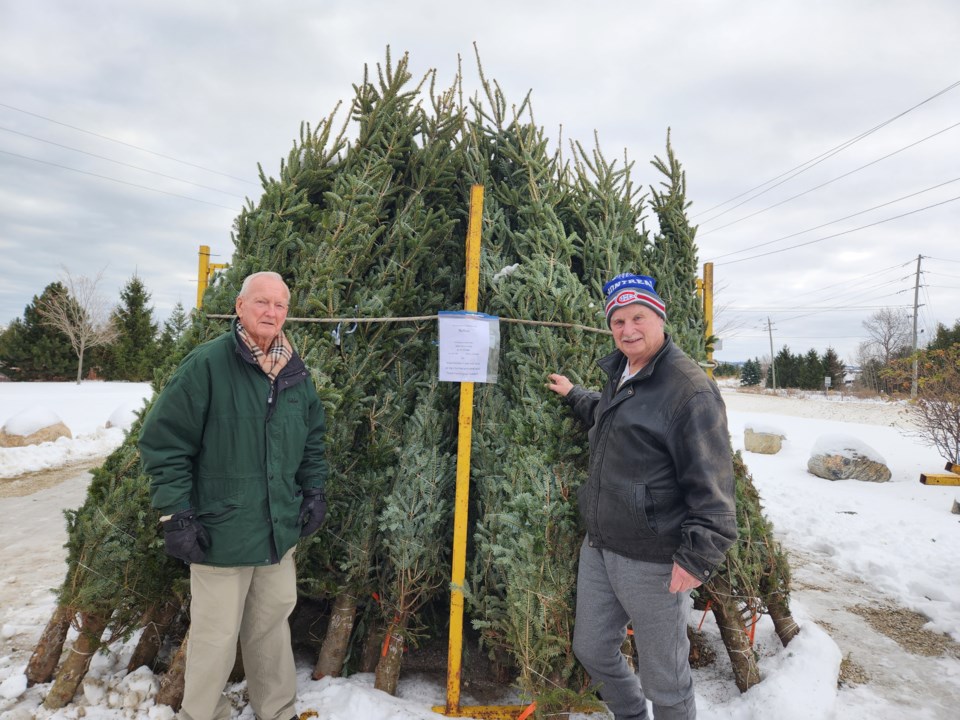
(940, 478)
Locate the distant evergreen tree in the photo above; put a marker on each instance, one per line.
(945, 337)
(174, 329)
(750, 373)
(811, 371)
(786, 368)
(33, 350)
(725, 369)
(133, 355)
(833, 368)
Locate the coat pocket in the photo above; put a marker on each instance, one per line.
(626, 516)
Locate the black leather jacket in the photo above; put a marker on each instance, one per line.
(661, 485)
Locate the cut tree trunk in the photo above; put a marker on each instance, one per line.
(157, 621)
(725, 608)
(77, 662)
(170, 691)
(783, 623)
(372, 644)
(774, 587)
(46, 655)
(391, 657)
(337, 640)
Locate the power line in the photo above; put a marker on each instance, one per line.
(119, 162)
(931, 272)
(803, 167)
(122, 182)
(845, 232)
(794, 308)
(833, 222)
(130, 145)
(831, 181)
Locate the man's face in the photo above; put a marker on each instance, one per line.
(637, 333)
(263, 310)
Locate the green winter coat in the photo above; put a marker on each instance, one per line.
(222, 440)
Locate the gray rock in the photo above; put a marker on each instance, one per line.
(765, 443)
(848, 465)
(47, 434)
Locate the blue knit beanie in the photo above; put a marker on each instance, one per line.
(627, 289)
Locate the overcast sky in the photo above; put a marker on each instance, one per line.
(130, 134)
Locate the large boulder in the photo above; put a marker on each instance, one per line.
(763, 440)
(843, 457)
(31, 427)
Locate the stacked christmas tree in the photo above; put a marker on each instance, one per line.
(369, 234)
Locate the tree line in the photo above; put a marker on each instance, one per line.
(805, 372)
(878, 362)
(69, 331)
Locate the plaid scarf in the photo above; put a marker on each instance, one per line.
(274, 359)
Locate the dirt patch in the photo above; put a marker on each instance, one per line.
(29, 483)
(851, 673)
(906, 627)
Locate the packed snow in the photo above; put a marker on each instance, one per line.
(890, 544)
(846, 446)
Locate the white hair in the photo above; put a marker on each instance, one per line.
(245, 288)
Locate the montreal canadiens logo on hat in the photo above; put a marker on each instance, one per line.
(630, 296)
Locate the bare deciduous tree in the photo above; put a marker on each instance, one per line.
(82, 314)
(890, 334)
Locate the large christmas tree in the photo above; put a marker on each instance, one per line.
(369, 234)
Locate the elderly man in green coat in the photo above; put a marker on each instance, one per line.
(234, 449)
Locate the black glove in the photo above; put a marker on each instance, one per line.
(313, 509)
(185, 538)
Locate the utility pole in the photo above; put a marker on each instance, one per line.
(773, 364)
(916, 307)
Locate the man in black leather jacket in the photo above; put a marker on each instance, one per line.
(658, 506)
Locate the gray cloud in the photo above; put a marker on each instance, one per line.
(749, 90)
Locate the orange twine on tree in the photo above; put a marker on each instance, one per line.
(753, 626)
(386, 639)
(527, 712)
(705, 611)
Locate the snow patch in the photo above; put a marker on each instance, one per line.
(506, 272)
(13, 687)
(846, 446)
(31, 420)
(125, 415)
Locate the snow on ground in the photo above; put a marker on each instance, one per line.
(849, 542)
(87, 409)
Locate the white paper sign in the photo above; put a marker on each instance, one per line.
(469, 346)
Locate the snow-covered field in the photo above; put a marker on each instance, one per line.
(890, 545)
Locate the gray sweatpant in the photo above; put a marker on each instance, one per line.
(612, 591)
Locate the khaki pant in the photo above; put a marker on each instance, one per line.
(252, 603)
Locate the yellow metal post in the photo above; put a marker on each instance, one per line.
(464, 439)
(202, 272)
(708, 312)
(458, 572)
(205, 272)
